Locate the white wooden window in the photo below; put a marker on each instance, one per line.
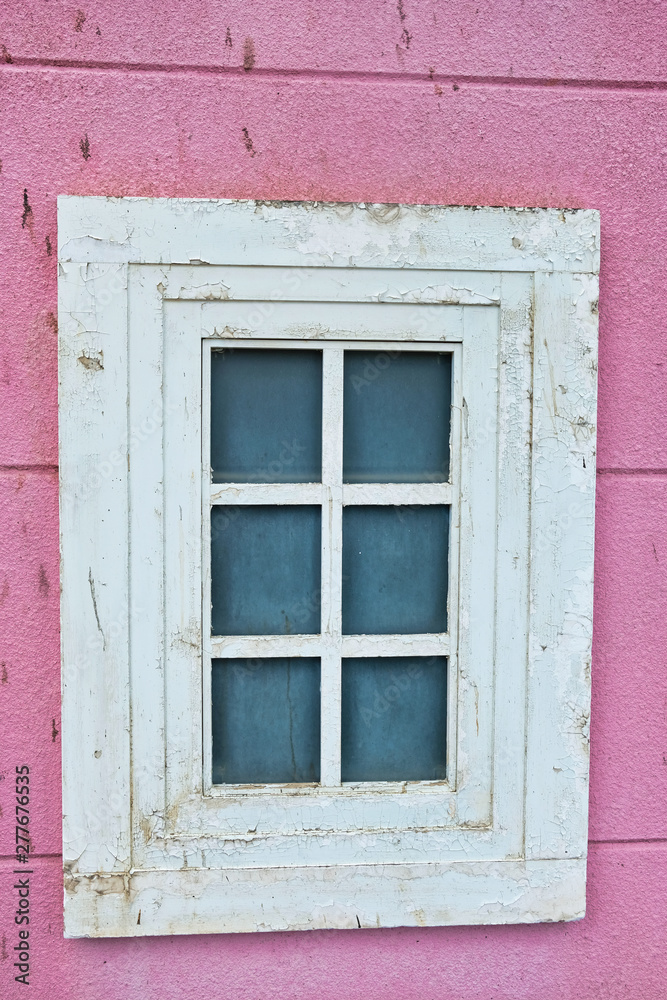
(150, 290)
(333, 646)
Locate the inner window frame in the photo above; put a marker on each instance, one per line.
(332, 646)
(477, 330)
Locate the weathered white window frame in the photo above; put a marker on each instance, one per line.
(146, 287)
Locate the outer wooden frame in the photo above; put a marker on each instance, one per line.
(141, 859)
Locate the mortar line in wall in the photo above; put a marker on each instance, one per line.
(637, 840)
(12, 857)
(28, 63)
(37, 467)
(631, 472)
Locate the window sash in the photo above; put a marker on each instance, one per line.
(466, 797)
(331, 646)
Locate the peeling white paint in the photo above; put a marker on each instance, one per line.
(504, 839)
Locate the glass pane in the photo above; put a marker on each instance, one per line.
(396, 417)
(266, 416)
(394, 719)
(265, 570)
(266, 721)
(395, 569)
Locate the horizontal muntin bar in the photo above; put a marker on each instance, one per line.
(429, 644)
(258, 646)
(230, 494)
(372, 494)
(396, 494)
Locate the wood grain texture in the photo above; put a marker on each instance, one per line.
(312, 898)
(96, 607)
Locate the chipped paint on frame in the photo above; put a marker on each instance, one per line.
(148, 848)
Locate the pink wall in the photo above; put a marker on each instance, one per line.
(531, 102)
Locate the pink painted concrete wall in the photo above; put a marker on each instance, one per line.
(500, 102)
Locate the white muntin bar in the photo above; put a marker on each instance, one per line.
(397, 494)
(258, 646)
(229, 494)
(208, 647)
(332, 563)
(432, 644)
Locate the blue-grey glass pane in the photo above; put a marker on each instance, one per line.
(266, 721)
(395, 569)
(266, 416)
(396, 411)
(394, 719)
(265, 570)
